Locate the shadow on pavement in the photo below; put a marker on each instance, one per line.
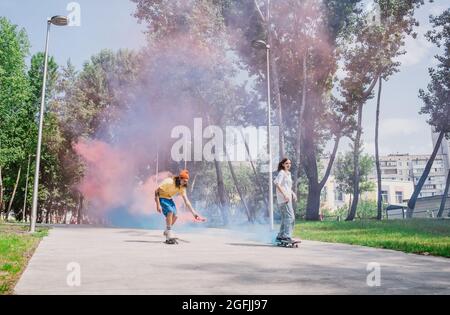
(251, 245)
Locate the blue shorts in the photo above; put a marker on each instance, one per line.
(167, 206)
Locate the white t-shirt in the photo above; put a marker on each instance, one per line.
(284, 180)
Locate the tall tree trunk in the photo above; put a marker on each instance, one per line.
(356, 152)
(377, 154)
(314, 185)
(80, 210)
(349, 205)
(311, 171)
(313, 201)
(250, 214)
(221, 192)
(300, 124)
(24, 210)
(49, 211)
(444, 197)
(220, 184)
(330, 162)
(258, 183)
(1, 191)
(14, 193)
(412, 201)
(356, 170)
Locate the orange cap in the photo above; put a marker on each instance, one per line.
(184, 174)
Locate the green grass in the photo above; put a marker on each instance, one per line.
(16, 248)
(419, 236)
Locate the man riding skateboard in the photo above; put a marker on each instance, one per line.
(169, 188)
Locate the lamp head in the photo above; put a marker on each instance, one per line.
(59, 20)
(259, 44)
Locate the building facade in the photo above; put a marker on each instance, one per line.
(405, 167)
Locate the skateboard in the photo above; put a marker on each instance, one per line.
(174, 241)
(171, 241)
(291, 244)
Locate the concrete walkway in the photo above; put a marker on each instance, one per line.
(124, 261)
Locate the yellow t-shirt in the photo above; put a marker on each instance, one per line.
(168, 189)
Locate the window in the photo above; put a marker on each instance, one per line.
(324, 195)
(339, 196)
(384, 196)
(399, 196)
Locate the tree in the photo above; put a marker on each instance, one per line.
(17, 116)
(304, 38)
(344, 173)
(396, 20)
(36, 74)
(187, 55)
(437, 97)
(444, 196)
(370, 56)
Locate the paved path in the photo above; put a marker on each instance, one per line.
(124, 261)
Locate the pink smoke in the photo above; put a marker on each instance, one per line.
(109, 182)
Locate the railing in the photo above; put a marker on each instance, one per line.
(432, 213)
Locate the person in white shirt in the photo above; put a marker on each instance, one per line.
(285, 196)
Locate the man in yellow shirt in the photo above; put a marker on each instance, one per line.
(169, 188)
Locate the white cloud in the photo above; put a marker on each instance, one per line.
(395, 127)
(417, 49)
(437, 9)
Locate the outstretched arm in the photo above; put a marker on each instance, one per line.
(189, 206)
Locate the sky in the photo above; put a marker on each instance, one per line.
(402, 129)
(110, 24)
(103, 24)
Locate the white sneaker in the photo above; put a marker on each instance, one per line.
(170, 234)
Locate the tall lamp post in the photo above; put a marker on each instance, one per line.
(59, 21)
(262, 44)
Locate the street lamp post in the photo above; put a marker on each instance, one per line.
(59, 21)
(261, 44)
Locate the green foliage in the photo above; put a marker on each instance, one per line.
(99, 92)
(16, 247)
(20, 96)
(15, 109)
(344, 173)
(437, 97)
(367, 209)
(188, 55)
(36, 74)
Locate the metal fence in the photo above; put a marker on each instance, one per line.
(402, 213)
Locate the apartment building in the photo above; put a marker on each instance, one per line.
(406, 167)
(400, 173)
(393, 192)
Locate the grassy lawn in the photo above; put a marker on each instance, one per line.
(419, 236)
(16, 248)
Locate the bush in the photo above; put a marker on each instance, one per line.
(367, 209)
